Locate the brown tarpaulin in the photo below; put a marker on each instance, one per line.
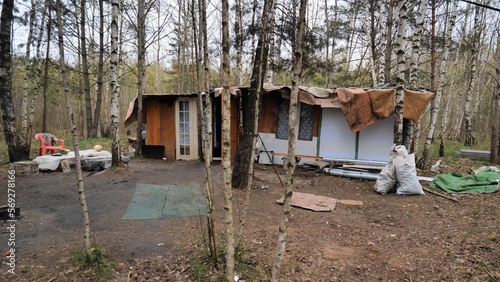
(357, 108)
(383, 102)
(415, 103)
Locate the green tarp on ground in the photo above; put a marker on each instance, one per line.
(164, 201)
(482, 182)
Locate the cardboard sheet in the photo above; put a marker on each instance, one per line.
(311, 202)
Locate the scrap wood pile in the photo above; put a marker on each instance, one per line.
(354, 165)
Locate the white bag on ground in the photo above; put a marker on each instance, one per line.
(406, 176)
(386, 179)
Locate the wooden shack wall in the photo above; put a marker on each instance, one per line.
(160, 126)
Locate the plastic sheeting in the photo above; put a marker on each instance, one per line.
(483, 182)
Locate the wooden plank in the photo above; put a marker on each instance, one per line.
(351, 202)
(298, 155)
(368, 167)
(168, 130)
(153, 122)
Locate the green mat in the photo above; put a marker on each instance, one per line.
(482, 182)
(164, 201)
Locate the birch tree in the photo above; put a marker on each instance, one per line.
(79, 176)
(226, 145)
(85, 68)
(371, 33)
(382, 25)
(441, 84)
(46, 68)
(38, 74)
(115, 86)
(208, 125)
(400, 78)
(417, 37)
(292, 133)
(100, 70)
(413, 128)
(495, 112)
(206, 121)
(27, 73)
(472, 80)
(388, 45)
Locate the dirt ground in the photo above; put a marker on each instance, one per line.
(388, 238)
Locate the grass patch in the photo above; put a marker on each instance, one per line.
(245, 266)
(451, 147)
(98, 266)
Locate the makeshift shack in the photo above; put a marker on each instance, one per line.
(172, 127)
(343, 123)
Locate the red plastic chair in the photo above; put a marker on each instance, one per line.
(42, 151)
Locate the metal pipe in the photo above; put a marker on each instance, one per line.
(351, 173)
(358, 162)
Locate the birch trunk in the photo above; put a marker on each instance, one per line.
(97, 111)
(65, 84)
(38, 74)
(388, 50)
(472, 82)
(115, 86)
(254, 97)
(327, 46)
(453, 100)
(46, 70)
(226, 145)
(198, 42)
(292, 133)
(208, 144)
(370, 32)
(141, 69)
(85, 66)
(238, 26)
(415, 55)
(27, 73)
(382, 46)
(400, 79)
(495, 112)
(439, 92)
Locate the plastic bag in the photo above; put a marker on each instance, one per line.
(386, 180)
(406, 176)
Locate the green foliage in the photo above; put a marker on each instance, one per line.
(98, 263)
(451, 147)
(245, 265)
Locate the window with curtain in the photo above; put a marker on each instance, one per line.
(306, 121)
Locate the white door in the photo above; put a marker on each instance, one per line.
(186, 129)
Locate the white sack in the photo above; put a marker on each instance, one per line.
(386, 179)
(406, 175)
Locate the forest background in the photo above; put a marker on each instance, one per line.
(347, 44)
